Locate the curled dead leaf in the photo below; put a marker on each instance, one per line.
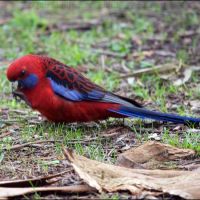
(111, 178)
(152, 154)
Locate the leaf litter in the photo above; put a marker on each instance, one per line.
(99, 177)
(112, 178)
(152, 154)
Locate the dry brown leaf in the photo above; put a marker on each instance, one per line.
(152, 153)
(110, 178)
(137, 40)
(186, 75)
(195, 105)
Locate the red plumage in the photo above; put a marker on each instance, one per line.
(43, 98)
(57, 109)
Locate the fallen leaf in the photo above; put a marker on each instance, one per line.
(154, 136)
(131, 80)
(178, 127)
(111, 178)
(151, 154)
(195, 105)
(137, 40)
(186, 75)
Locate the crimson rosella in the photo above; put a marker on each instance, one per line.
(62, 94)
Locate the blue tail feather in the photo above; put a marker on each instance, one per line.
(143, 113)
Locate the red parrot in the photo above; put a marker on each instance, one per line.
(62, 94)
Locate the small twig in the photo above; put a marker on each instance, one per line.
(108, 53)
(33, 144)
(13, 192)
(75, 25)
(19, 146)
(67, 189)
(113, 132)
(189, 33)
(160, 68)
(19, 111)
(5, 134)
(4, 21)
(10, 121)
(39, 181)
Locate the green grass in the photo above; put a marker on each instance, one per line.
(5, 86)
(190, 140)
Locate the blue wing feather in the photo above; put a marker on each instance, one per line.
(80, 88)
(143, 113)
(71, 85)
(73, 94)
(93, 95)
(65, 92)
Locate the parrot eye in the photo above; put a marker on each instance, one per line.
(22, 73)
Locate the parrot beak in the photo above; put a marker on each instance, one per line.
(17, 94)
(14, 86)
(15, 91)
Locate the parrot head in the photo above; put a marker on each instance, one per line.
(25, 73)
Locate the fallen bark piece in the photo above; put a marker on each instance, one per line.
(13, 192)
(111, 178)
(39, 181)
(152, 154)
